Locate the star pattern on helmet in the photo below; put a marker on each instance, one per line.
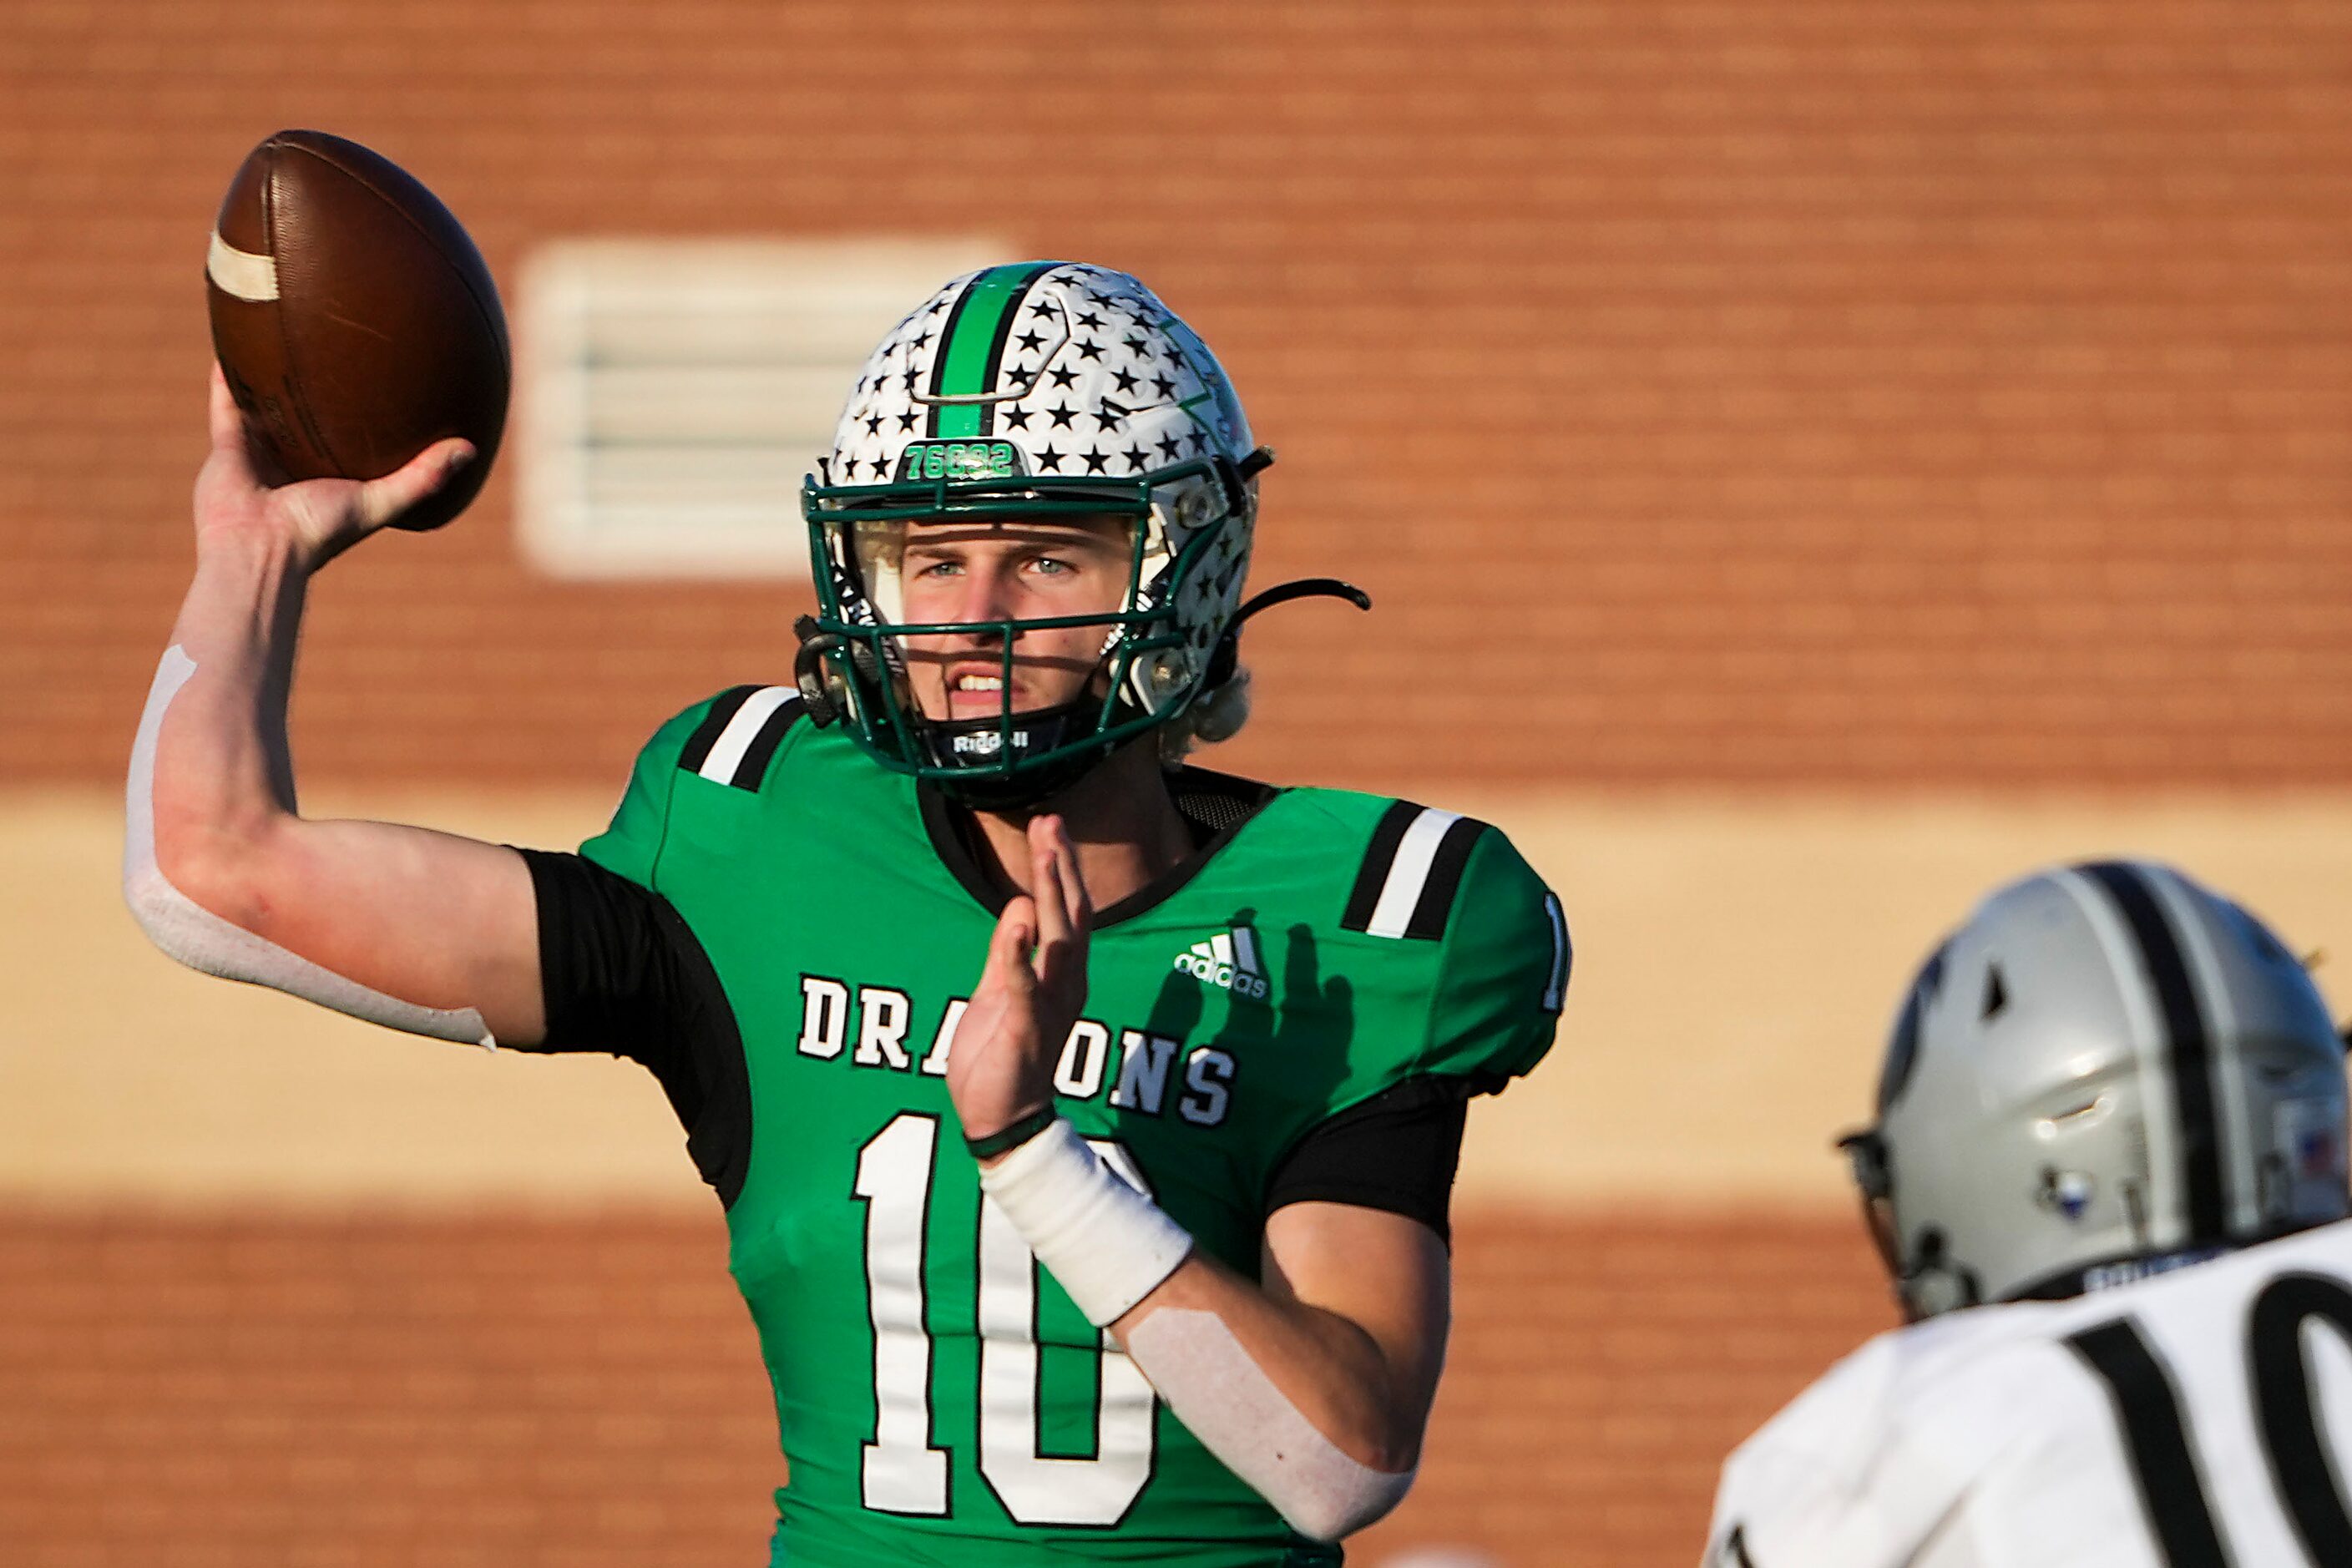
(1093, 355)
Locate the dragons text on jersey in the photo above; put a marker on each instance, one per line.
(872, 1030)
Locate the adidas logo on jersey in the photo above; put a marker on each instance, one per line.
(1229, 961)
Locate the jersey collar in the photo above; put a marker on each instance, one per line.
(1215, 806)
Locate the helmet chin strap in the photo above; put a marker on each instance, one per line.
(1225, 657)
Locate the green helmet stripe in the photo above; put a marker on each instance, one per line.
(972, 343)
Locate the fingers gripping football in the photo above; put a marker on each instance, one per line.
(238, 490)
(1001, 1068)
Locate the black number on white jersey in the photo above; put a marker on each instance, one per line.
(2157, 1432)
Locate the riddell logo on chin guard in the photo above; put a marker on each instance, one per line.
(1228, 960)
(988, 742)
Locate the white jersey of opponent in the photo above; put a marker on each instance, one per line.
(2200, 1418)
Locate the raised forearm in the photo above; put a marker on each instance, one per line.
(415, 930)
(224, 776)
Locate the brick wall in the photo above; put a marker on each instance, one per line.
(1946, 392)
(587, 1392)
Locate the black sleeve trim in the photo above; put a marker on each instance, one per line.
(1397, 1151)
(621, 971)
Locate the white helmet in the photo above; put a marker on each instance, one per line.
(1033, 390)
(2108, 1070)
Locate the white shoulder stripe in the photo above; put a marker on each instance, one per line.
(1408, 872)
(726, 752)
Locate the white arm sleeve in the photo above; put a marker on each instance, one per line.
(1111, 1245)
(1219, 1392)
(203, 941)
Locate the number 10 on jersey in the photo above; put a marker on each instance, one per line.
(902, 1471)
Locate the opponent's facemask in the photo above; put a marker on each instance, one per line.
(2109, 1070)
(1041, 392)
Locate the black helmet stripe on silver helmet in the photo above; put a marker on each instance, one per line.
(2186, 1047)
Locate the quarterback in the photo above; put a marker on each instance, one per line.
(2108, 1180)
(1083, 1120)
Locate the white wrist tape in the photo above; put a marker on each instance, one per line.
(200, 938)
(1107, 1244)
(1217, 1389)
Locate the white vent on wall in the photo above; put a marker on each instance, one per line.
(672, 392)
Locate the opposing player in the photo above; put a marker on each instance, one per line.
(2108, 1178)
(948, 966)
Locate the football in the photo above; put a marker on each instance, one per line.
(354, 319)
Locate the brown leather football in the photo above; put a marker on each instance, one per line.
(354, 318)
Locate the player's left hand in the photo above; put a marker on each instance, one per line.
(1001, 1067)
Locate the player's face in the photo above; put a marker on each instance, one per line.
(1012, 570)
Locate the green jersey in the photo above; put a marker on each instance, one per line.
(939, 1399)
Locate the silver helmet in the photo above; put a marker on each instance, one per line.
(2108, 1070)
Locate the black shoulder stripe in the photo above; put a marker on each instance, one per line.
(1735, 1549)
(1378, 858)
(753, 771)
(1446, 867)
(735, 743)
(705, 734)
(2188, 1051)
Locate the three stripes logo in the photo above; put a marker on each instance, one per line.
(1228, 960)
